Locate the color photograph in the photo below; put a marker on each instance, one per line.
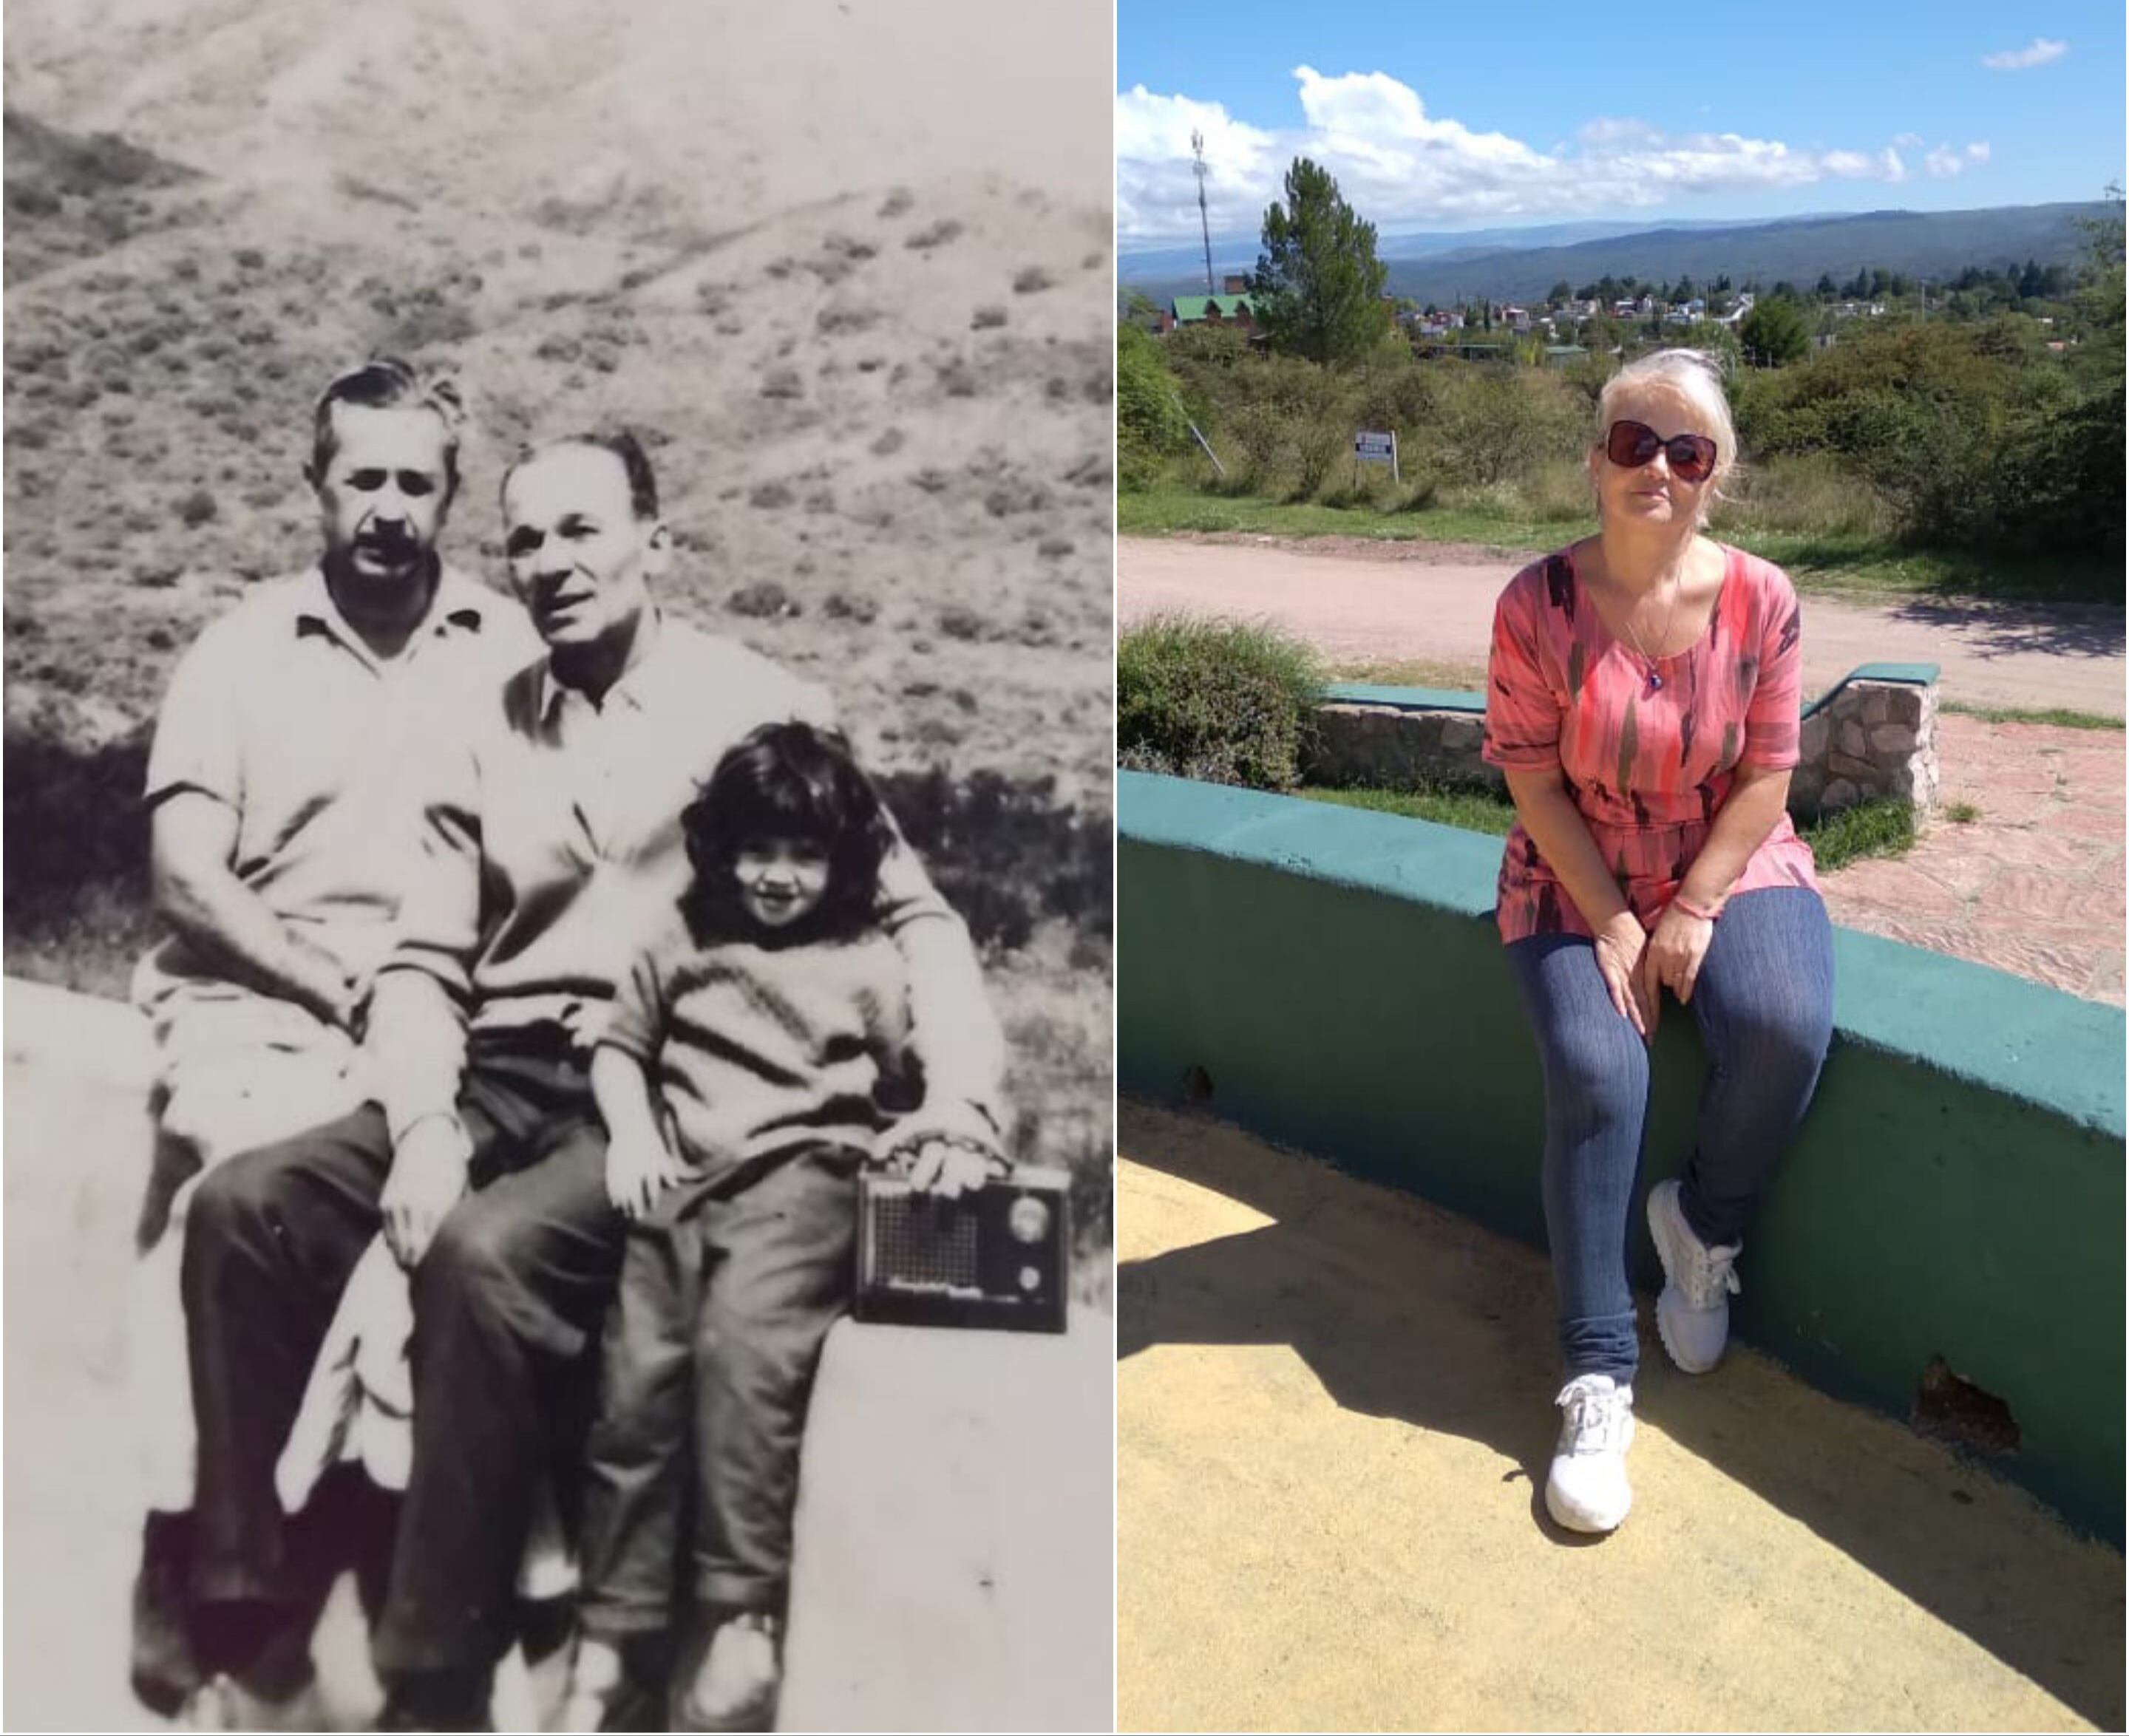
(1620, 871)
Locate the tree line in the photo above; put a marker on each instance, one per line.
(1983, 421)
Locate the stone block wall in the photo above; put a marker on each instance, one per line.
(1866, 740)
(1394, 747)
(1874, 735)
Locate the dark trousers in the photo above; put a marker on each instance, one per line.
(727, 1292)
(506, 1302)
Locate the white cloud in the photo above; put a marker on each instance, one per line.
(1160, 197)
(2036, 53)
(1403, 167)
(1944, 162)
(1607, 131)
(1908, 140)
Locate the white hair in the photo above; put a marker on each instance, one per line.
(1693, 375)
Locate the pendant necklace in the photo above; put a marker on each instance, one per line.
(1656, 676)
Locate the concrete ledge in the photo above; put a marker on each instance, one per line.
(955, 1566)
(1333, 979)
(956, 1509)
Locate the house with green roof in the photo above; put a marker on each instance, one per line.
(1208, 310)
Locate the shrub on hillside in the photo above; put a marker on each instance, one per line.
(1224, 701)
(1151, 425)
(1494, 425)
(1968, 435)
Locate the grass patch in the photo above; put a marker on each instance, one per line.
(1869, 829)
(1840, 563)
(1416, 672)
(1159, 513)
(2059, 716)
(1468, 810)
(1962, 813)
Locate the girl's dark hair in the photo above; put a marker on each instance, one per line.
(786, 780)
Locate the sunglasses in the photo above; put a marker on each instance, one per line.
(1631, 445)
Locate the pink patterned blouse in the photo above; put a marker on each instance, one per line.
(1648, 759)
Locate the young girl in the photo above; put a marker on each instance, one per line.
(762, 1026)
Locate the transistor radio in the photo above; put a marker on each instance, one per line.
(998, 1256)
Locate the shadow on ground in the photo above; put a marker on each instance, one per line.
(2055, 630)
(1460, 1342)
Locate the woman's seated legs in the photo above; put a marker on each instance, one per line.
(1765, 1002)
(1596, 1096)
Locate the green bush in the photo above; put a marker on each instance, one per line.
(1151, 425)
(1224, 701)
(1966, 432)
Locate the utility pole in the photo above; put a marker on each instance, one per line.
(1204, 223)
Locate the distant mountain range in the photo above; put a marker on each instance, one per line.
(1522, 265)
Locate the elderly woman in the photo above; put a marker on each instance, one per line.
(1642, 701)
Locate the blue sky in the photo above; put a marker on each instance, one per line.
(1457, 118)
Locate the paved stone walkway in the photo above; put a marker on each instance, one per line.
(2034, 883)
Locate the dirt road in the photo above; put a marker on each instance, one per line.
(1365, 603)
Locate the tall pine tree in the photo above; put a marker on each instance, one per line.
(1318, 288)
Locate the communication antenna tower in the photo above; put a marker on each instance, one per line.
(1198, 169)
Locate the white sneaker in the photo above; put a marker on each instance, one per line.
(1587, 1489)
(736, 1687)
(1693, 1314)
(595, 1682)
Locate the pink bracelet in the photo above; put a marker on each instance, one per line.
(1680, 902)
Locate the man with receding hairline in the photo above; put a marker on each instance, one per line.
(551, 814)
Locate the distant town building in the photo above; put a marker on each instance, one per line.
(1208, 310)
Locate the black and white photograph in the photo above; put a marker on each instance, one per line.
(559, 1097)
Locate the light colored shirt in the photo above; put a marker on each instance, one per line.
(281, 712)
(551, 834)
(753, 1049)
(1648, 763)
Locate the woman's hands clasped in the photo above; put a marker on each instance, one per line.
(1638, 965)
(1677, 945)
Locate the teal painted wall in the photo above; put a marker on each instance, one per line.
(1446, 699)
(1957, 1190)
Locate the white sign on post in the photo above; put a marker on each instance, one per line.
(1375, 448)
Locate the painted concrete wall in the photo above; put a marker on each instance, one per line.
(1957, 1190)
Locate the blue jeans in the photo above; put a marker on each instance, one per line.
(1765, 1005)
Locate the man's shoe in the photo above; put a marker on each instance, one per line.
(1587, 1489)
(225, 1704)
(166, 1669)
(597, 1683)
(436, 1700)
(736, 1686)
(210, 1706)
(1693, 1314)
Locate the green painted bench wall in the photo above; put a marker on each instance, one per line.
(1957, 1190)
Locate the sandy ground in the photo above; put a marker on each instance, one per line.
(1334, 1423)
(1437, 604)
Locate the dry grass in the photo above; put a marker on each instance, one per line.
(867, 482)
